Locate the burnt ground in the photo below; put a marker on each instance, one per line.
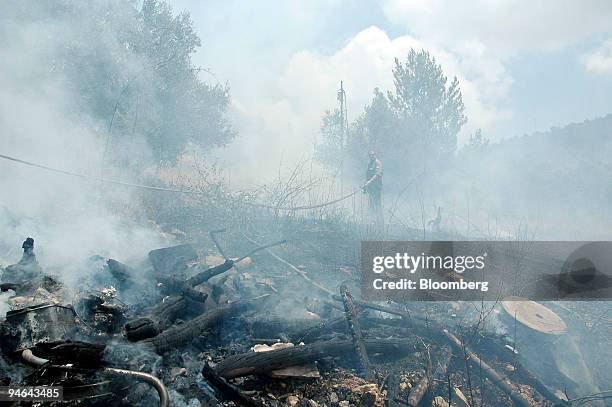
(199, 339)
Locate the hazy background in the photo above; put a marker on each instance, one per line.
(523, 67)
(139, 91)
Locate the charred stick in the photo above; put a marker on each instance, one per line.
(222, 268)
(158, 318)
(263, 362)
(308, 334)
(259, 248)
(393, 390)
(228, 390)
(186, 332)
(418, 391)
(293, 268)
(171, 285)
(350, 313)
(267, 326)
(501, 381)
(364, 304)
(210, 273)
(213, 237)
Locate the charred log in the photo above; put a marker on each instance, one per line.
(271, 326)
(393, 384)
(502, 382)
(186, 332)
(210, 273)
(158, 318)
(77, 353)
(252, 363)
(310, 334)
(355, 330)
(172, 286)
(227, 390)
(169, 260)
(120, 272)
(418, 391)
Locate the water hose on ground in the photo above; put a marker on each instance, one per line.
(162, 391)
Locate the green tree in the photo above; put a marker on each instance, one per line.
(127, 66)
(477, 142)
(375, 129)
(415, 126)
(331, 146)
(430, 110)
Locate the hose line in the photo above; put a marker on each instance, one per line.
(162, 391)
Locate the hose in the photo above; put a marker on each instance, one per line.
(181, 191)
(164, 398)
(162, 391)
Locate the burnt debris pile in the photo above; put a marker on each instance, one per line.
(279, 325)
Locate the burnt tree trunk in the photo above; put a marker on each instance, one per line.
(418, 391)
(179, 335)
(158, 319)
(353, 324)
(262, 362)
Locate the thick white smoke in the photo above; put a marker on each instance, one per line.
(42, 122)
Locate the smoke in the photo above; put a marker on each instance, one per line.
(44, 121)
(4, 305)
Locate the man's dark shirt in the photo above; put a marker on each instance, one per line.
(374, 168)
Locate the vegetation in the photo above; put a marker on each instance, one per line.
(138, 82)
(413, 127)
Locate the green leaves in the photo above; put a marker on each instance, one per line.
(127, 68)
(411, 127)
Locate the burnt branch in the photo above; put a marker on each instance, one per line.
(263, 362)
(350, 313)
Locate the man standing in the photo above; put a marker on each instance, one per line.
(374, 184)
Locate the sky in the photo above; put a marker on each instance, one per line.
(523, 66)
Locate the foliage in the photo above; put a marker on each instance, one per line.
(138, 82)
(413, 127)
(331, 148)
(477, 142)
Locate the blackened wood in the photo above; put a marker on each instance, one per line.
(121, 272)
(141, 328)
(251, 363)
(393, 384)
(381, 308)
(180, 335)
(418, 391)
(270, 326)
(168, 260)
(77, 353)
(311, 334)
(350, 313)
(502, 382)
(227, 390)
(167, 311)
(172, 286)
(210, 273)
(158, 318)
